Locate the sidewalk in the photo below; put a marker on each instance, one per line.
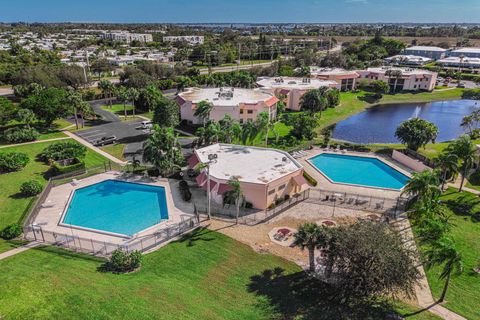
(422, 288)
(92, 147)
(32, 142)
(13, 252)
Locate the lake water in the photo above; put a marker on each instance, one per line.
(378, 124)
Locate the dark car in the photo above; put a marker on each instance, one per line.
(105, 140)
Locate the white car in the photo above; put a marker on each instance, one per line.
(146, 124)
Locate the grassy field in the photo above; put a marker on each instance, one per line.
(12, 204)
(462, 295)
(115, 150)
(205, 275)
(44, 133)
(9, 245)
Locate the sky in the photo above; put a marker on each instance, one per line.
(254, 11)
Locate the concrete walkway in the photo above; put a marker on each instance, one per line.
(96, 149)
(422, 288)
(13, 252)
(33, 142)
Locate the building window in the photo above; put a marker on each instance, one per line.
(281, 187)
(241, 120)
(241, 111)
(270, 192)
(249, 111)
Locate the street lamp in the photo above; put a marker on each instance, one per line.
(212, 158)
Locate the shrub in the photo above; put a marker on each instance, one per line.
(184, 191)
(473, 94)
(11, 232)
(13, 161)
(20, 134)
(121, 261)
(31, 188)
(72, 166)
(63, 150)
(309, 179)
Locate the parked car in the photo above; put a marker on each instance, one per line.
(105, 140)
(146, 124)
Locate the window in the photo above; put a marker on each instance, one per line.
(281, 187)
(249, 111)
(270, 192)
(241, 120)
(241, 111)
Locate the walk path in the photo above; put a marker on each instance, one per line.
(12, 252)
(96, 149)
(422, 288)
(33, 142)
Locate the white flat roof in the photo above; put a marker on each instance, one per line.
(409, 58)
(467, 50)
(248, 164)
(226, 96)
(329, 71)
(405, 71)
(294, 83)
(426, 48)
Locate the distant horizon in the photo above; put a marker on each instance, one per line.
(237, 22)
(253, 11)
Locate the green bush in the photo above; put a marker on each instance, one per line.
(20, 134)
(309, 179)
(12, 161)
(473, 94)
(121, 261)
(63, 150)
(31, 188)
(76, 165)
(11, 232)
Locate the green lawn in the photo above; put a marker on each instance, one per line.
(9, 245)
(12, 204)
(205, 275)
(115, 150)
(464, 290)
(44, 133)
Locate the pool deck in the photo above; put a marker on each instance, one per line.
(325, 184)
(50, 216)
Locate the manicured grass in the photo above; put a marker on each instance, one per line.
(464, 290)
(474, 180)
(205, 275)
(12, 204)
(10, 244)
(115, 150)
(44, 133)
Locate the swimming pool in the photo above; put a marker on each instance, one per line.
(362, 171)
(117, 207)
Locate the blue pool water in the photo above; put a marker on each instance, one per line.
(116, 206)
(362, 171)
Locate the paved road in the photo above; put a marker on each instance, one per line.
(235, 68)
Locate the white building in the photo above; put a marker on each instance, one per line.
(293, 88)
(190, 39)
(126, 36)
(402, 79)
(241, 104)
(457, 62)
(434, 53)
(466, 52)
(408, 60)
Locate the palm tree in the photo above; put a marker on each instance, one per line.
(444, 252)
(230, 129)
(123, 96)
(203, 111)
(235, 194)
(107, 89)
(249, 132)
(424, 186)
(394, 73)
(310, 236)
(74, 99)
(448, 164)
(263, 124)
(466, 152)
(133, 95)
(313, 101)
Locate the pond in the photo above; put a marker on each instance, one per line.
(378, 124)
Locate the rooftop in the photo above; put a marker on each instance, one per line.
(226, 96)
(469, 50)
(293, 83)
(248, 164)
(405, 71)
(426, 48)
(329, 71)
(409, 58)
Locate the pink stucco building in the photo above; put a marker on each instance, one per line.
(241, 104)
(292, 89)
(265, 175)
(402, 79)
(346, 79)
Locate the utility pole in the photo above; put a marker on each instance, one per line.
(239, 55)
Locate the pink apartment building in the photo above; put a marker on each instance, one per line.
(241, 104)
(265, 175)
(293, 88)
(402, 79)
(346, 79)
